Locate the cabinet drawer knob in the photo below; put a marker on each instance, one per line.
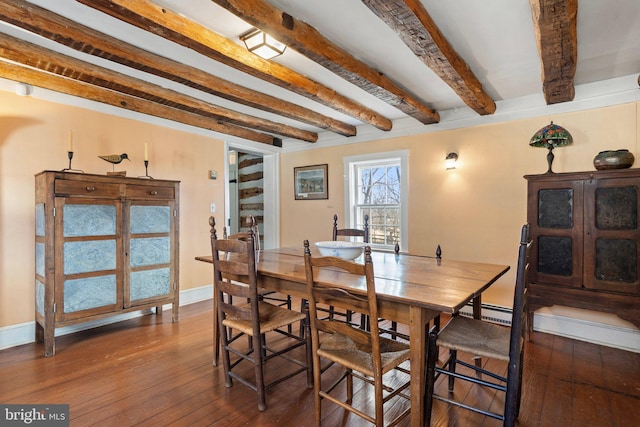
(91, 188)
(153, 193)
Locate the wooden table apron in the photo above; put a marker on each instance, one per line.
(411, 290)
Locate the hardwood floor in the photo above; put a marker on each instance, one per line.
(149, 371)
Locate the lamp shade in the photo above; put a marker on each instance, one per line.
(549, 137)
(553, 135)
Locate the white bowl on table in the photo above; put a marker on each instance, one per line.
(341, 249)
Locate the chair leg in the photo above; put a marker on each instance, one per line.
(228, 381)
(216, 331)
(514, 392)
(379, 403)
(309, 349)
(453, 359)
(349, 386)
(317, 400)
(259, 370)
(365, 323)
(519, 396)
(304, 305)
(289, 326)
(430, 372)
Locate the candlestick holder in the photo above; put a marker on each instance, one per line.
(146, 170)
(70, 155)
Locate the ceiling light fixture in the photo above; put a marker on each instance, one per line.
(262, 44)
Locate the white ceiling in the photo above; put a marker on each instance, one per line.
(495, 38)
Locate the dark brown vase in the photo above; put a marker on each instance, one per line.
(613, 159)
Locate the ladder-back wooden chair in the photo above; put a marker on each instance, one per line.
(235, 274)
(485, 339)
(362, 354)
(348, 233)
(252, 224)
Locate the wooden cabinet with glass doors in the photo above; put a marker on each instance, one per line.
(104, 245)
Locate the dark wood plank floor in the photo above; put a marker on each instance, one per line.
(149, 371)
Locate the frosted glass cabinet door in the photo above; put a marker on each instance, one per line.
(89, 258)
(150, 249)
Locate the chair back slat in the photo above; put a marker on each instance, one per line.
(236, 311)
(243, 235)
(341, 298)
(339, 263)
(351, 232)
(237, 267)
(236, 286)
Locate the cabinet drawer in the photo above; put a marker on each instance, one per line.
(86, 188)
(150, 192)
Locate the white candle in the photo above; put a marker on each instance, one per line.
(70, 141)
(146, 151)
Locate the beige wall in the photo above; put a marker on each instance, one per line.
(34, 137)
(475, 211)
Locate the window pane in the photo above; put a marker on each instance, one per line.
(393, 175)
(378, 194)
(392, 216)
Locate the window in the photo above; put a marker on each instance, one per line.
(377, 186)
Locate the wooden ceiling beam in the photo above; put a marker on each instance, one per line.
(37, 57)
(60, 84)
(175, 27)
(413, 24)
(555, 26)
(84, 39)
(309, 42)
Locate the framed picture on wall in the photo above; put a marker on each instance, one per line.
(310, 182)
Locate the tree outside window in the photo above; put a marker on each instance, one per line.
(378, 190)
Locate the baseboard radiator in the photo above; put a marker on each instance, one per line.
(490, 313)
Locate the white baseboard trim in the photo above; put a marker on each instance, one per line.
(617, 336)
(24, 333)
(625, 338)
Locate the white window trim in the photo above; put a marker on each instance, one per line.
(349, 188)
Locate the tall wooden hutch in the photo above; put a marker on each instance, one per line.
(104, 245)
(586, 241)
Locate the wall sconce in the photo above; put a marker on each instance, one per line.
(451, 161)
(262, 44)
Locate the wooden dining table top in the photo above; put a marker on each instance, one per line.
(438, 284)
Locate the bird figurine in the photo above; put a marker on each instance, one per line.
(114, 159)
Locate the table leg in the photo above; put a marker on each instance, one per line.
(477, 314)
(418, 320)
(477, 307)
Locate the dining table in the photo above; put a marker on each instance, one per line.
(412, 290)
